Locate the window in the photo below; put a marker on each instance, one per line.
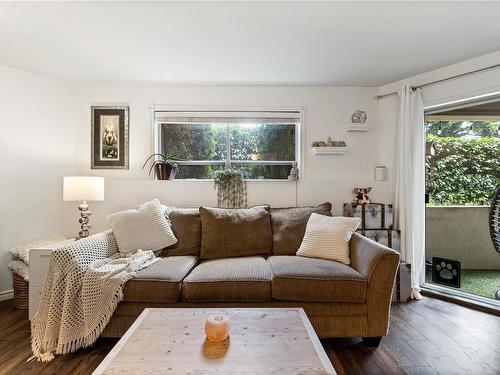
(263, 145)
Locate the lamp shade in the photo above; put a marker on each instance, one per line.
(83, 188)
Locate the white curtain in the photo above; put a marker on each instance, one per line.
(409, 189)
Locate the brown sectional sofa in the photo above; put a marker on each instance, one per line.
(340, 300)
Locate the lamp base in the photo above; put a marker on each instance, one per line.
(84, 220)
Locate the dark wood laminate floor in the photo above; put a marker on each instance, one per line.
(426, 337)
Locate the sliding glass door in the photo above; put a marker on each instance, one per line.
(462, 177)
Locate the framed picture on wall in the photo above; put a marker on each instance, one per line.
(109, 137)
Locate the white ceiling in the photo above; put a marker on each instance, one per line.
(349, 44)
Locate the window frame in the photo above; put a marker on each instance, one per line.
(294, 112)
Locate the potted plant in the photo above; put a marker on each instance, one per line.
(164, 165)
(231, 189)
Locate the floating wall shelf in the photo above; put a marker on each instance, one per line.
(329, 150)
(357, 128)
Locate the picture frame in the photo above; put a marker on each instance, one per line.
(109, 137)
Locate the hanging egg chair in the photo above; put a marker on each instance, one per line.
(494, 220)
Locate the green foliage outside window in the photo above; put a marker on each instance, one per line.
(465, 167)
(266, 142)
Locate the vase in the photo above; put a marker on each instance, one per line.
(165, 171)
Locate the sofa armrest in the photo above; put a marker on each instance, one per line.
(378, 264)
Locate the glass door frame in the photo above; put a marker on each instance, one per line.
(489, 303)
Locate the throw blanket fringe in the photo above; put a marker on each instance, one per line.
(83, 288)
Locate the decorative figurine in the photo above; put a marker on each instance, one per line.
(359, 117)
(319, 144)
(329, 143)
(361, 195)
(339, 144)
(294, 172)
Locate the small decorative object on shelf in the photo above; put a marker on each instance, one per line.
(294, 172)
(330, 147)
(329, 150)
(358, 122)
(359, 117)
(361, 195)
(217, 328)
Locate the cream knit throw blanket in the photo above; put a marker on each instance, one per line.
(83, 287)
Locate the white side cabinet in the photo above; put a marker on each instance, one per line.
(39, 267)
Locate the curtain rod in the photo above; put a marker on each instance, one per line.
(378, 97)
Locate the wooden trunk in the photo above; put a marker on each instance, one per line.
(402, 284)
(372, 215)
(387, 237)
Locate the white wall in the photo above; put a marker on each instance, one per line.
(327, 178)
(37, 142)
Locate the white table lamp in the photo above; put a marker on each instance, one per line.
(84, 189)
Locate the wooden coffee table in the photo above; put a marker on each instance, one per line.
(262, 341)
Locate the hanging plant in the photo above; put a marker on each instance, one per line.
(231, 189)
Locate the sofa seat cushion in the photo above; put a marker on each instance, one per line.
(161, 282)
(246, 279)
(315, 280)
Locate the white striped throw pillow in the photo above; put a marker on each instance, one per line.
(328, 237)
(144, 228)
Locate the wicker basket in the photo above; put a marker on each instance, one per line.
(21, 292)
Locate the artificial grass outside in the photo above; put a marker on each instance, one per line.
(480, 282)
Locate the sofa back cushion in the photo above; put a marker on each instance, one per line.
(289, 225)
(235, 232)
(186, 225)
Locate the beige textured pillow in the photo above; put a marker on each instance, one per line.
(144, 228)
(235, 232)
(328, 237)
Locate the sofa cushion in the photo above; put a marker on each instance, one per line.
(144, 228)
(160, 282)
(289, 225)
(245, 279)
(230, 233)
(328, 237)
(315, 280)
(186, 225)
